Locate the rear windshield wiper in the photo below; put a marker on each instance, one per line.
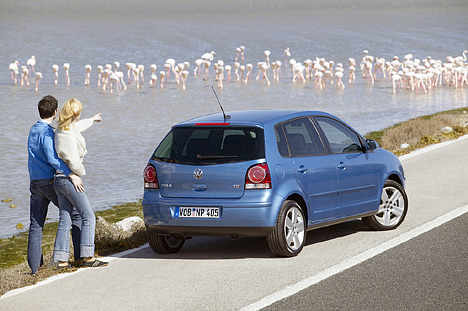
(212, 157)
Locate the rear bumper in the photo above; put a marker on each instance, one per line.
(252, 215)
(188, 231)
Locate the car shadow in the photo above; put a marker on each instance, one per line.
(215, 248)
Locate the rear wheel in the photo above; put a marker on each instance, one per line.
(165, 244)
(392, 210)
(288, 237)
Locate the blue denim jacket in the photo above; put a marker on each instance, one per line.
(43, 161)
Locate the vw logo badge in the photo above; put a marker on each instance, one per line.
(198, 173)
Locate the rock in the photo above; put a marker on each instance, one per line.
(13, 206)
(127, 223)
(7, 200)
(404, 146)
(19, 226)
(446, 130)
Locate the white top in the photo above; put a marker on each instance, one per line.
(71, 146)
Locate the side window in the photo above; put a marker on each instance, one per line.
(341, 138)
(281, 141)
(302, 137)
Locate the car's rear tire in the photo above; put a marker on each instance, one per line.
(165, 244)
(288, 237)
(392, 209)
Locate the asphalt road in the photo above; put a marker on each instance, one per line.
(428, 272)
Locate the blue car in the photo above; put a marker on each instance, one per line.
(272, 173)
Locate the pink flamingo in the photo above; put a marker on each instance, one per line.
(31, 62)
(38, 77)
(66, 66)
(14, 71)
(88, 74)
(55, 68)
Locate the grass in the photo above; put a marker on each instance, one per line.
(423, 131)
(110, 239)
(15, 272)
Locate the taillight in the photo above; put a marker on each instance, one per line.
(258, 177)
(150, 177)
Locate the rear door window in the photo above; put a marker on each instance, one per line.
(302, 138)
(211, 145)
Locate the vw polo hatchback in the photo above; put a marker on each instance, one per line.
(272, 173)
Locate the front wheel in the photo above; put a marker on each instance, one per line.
(288, 237)
(165, 244)
(392, 210)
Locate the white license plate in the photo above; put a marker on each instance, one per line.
(196, 212)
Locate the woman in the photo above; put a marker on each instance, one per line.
(71, 148)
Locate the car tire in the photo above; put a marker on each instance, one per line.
(392, 209)
(165, 244)
(289, 234)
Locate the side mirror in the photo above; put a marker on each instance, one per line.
(371, 144)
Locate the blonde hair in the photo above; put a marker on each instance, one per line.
(70, 110)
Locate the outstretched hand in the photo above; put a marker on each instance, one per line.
(97, 117)
(77, 182)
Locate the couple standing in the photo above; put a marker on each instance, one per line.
(55, 164)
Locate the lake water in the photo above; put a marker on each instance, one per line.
(90, 32)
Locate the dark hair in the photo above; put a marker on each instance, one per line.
(47, 106)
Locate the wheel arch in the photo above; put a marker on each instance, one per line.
(300, 200)
(396, 178)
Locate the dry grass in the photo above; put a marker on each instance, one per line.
(422, 131)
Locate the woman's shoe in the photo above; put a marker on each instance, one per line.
(94, 263)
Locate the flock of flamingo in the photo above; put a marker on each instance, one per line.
(417, 75)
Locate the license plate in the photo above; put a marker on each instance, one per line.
(196, 212)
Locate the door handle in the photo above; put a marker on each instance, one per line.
(342, 166)
(302, 169)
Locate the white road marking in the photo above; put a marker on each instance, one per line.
(351, 262)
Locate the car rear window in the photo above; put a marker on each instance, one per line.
(201, 145)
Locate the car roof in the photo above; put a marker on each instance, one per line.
(252, 117)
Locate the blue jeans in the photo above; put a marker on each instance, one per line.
(42, 193)
(68, 199)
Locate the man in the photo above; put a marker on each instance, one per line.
(43, 162)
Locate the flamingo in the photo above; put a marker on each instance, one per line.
(198, 66)
(100, 69)
(14, 71)
(220, 76)
(115, 80)
(88, 73)
(264, 68)
(153, 68)
(24, 75)
(287, 55)
(278, 70)
(236, 70)
(154, 80)
(38, 77)
(66, 66)
(161, 78)
(206, 65)
(267, 57)
(141, 68)
(241, 71)
(238, 53)
(228, 69)
(116, 66)
(339, 76)
(31, 62)
(55, 68)
(185, 74)
(242, 52)
(249, 68)
(130, 72)
(120, 74)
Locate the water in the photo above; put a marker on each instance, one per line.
(90, 32)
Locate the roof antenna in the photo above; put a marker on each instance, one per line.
(226, 117)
